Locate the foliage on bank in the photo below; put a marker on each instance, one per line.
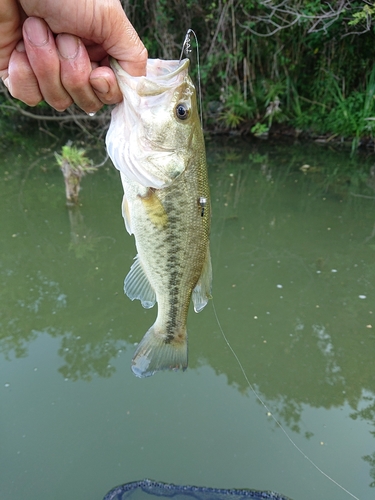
(305, 66)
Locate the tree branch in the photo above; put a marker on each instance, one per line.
(68, 116)
(282, 16)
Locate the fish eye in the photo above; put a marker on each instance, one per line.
(182, 111)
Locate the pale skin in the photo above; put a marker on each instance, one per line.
(57, 51)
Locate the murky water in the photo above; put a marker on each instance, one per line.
(294, 273)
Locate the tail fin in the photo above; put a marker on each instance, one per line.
(155, 352)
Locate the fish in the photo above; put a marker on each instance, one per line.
(155, 140)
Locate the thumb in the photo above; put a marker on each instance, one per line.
(124, 44)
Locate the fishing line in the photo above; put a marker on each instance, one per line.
(269, 413)
(186, 49)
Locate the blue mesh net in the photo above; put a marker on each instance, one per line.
(141, 490)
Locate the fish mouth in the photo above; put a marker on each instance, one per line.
(159, 69)
(156, 68)
(160, 76)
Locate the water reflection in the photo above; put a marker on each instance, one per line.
(293, 257)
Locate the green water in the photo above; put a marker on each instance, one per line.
(294, 272)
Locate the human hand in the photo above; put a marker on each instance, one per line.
(72, 67)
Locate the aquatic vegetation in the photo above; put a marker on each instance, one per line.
(74, 165)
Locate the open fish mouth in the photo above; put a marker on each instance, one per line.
(160, 76)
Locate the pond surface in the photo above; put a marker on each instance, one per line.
(294, 291)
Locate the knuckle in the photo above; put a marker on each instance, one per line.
(31, 102)
(60, 104)
(27, 96)
(143, 56)
(91, 108)
(111, 97)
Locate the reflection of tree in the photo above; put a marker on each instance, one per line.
(368, 414)
(46, 288)
(38, 304)
(84, 357)
(33, 303)
(310, 348)
(289, 413)
(296, 277)
(371, 460)
(326, 347)
(83, 240)
(14, 341)
(31, 295)
(257, 237)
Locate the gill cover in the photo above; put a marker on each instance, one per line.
(150, 121)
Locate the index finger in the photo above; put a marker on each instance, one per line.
(11, 32)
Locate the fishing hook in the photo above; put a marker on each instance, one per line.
(186, 49)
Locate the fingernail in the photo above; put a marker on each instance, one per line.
(20, 47)
(6, 82)
(67, 45)
(36, 31)
(100, 85)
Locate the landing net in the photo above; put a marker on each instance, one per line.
(142, 490)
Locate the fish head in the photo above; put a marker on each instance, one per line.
(152, 130)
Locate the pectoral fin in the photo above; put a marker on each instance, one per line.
(154, 209)
(137, 285)
(202, 291)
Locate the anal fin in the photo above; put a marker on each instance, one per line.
(202, 291)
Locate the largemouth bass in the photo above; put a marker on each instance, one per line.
(156, 141)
